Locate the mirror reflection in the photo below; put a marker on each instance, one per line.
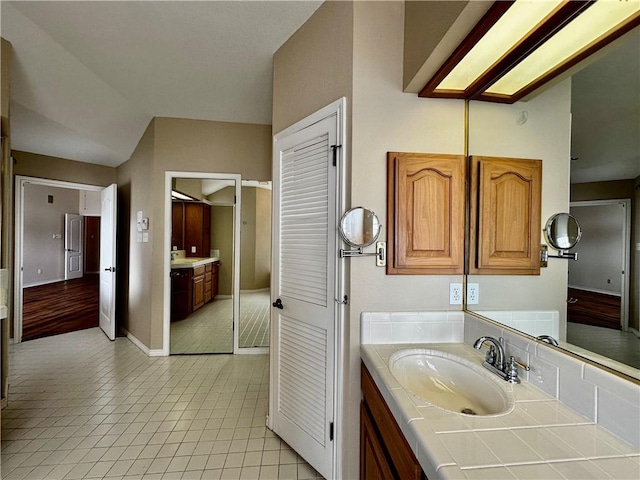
(359, 227)
(562, 231)
(585, 129)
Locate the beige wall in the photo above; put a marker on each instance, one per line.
(602, 190)
(174, 144)
(135, 292)
(314, 67)
(248, 239)
(189, 186)
(263, 238)
(222, 239)
(54, 168)
(6, 55)
(634, 315)
(546, 135)
(255, 239)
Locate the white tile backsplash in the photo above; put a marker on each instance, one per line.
(594, 393)
(411, 327)
(602, 397)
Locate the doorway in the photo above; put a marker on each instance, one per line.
(599, 279)
(48, 299)
(202, 263)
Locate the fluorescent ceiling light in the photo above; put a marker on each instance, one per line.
(180, 196)
(518, 22)
(520, 45)
(597, 22)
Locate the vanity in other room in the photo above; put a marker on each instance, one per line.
(194, 283)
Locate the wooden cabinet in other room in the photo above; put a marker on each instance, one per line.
(425, 213)
(384, 452)
(198, 287)
(504, 222)
(177, 225)
(211, 281)
(197, 229)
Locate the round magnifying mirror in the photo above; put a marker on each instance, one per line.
(562, 231)
(359, 227)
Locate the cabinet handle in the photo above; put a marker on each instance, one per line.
(278, 304)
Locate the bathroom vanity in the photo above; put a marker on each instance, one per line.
(194, 283)
(533, 436)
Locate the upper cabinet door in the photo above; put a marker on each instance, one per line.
(426, 213)
(505, 203)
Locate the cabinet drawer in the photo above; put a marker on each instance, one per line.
(198, 271)
(208, 267)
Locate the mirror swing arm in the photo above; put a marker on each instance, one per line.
(359, 227)
(562, 232)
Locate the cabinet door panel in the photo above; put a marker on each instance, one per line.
(426, 204)
(198, 292)
(373, 463)
(505, 216)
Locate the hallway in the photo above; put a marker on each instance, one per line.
(81, 407)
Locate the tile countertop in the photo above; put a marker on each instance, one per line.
(539, 438)
(192, 262)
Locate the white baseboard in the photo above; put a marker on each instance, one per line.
(45, 282)
(253, 351)
(4, 402)
(149, 352)
(635, 332)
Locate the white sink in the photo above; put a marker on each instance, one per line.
(450, 382)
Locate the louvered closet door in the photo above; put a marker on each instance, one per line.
(304, 269)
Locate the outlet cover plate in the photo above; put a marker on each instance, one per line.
(455, 294)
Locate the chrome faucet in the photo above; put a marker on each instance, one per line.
(495, 355)
(494, 361)
(549, 339)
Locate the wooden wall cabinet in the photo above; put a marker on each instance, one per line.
(425, 213)
(504, 220)
(384, 452)
(191, 228)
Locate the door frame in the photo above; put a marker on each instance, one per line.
(626, 253)
(338, 108)
(21, 181)
(168, 183)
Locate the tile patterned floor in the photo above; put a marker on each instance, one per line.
(83, 407)
(623, 347)
(209, 329)
(255, 311)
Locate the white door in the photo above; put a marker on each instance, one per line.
(304, 309)
(73, 251)
(108, 261)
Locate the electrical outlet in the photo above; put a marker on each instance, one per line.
(455, 294)
(193, 249)
(473, 293)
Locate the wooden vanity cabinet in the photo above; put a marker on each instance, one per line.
(384, 452)
(505, 210)
(198, 287)
(425, 213)
(192, 288)
(211, 281)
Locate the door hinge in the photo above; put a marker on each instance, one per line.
(335, 148)
(234, 199)
(331, 431)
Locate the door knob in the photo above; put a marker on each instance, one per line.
(278, 304)
(110, 269)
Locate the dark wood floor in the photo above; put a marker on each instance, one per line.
(60, 307)
(597, 309)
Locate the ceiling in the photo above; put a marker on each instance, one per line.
(605, 106)
(88, 76)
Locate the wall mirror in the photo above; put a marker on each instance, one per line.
(359, 227)
(562, 231)
(557, 125)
